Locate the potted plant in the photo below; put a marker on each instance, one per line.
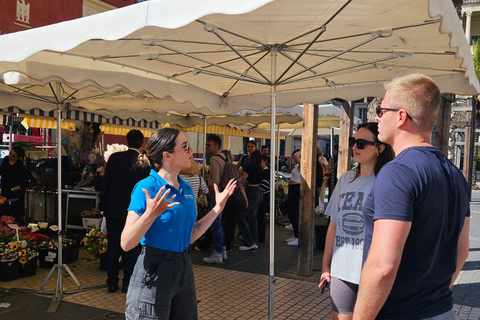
(9, 254)
(96, 243)
(281, 195)
(92, 219)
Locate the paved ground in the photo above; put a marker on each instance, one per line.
(237, 289)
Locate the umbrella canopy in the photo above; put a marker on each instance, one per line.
(217, 54)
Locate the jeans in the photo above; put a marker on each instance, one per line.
(247, 219)
(216, 228)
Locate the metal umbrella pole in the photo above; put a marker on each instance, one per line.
(271, 274)
(59, 266)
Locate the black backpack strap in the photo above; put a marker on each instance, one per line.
(218, 155)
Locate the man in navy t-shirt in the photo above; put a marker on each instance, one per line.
(417, 215)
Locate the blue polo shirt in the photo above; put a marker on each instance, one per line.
(172, 230)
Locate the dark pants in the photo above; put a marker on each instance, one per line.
(247, 219)
(293, 206)
(162, 287)
(262, 210)
(230, 214)
(115, 228)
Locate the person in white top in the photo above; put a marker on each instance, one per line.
(342, 259)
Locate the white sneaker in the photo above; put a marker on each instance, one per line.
(245, 248)
(224, 253)
(293, 243)
(289, 227)
(290, 239)
(214, 258)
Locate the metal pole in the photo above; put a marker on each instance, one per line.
(271, 275)
(204, 142)
(11, 132)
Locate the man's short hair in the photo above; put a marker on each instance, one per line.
(265, 147)
(215, 139)
(134, 138)
(419, 95)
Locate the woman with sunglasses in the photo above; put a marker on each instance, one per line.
(162, 284)
(342, 259)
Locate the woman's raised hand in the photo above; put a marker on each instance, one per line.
(222, 197)
(160, 203)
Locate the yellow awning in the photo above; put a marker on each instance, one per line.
(49, 123)
(222, 130)
(122, 131)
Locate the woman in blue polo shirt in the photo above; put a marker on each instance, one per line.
(162, 284)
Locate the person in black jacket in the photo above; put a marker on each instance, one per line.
(121, 175)
(15, 182)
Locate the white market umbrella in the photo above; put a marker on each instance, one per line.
(229, 55)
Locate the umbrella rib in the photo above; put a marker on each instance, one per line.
(444, 53)
(343, 6)
(163, 54)
(413, 25)
(235, 83)
(343, 69)
(300, 64)
(233, 33)
(212, 73)
(68, 95)
(183, 41)
(331, 58)
(322, 29)
(221, 62)
(98, 96)
(242, 57)
(29, 95)
(210, 63)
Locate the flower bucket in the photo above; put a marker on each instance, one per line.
(47, 258)
(28, 269)
(9, 270)
(92, 223)
(73, 253)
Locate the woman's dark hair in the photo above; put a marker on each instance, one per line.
(295, 151)
(255, 158)
(383, 157)
(252, 142)
(161, 140)
(19, 151)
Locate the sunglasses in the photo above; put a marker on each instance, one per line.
(361, 143)
(185, 147)
(380, 111)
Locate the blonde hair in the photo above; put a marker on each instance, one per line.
(419, 95)
(192, 170)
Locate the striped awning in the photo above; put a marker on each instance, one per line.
(122, 131)
(49, 123)
(223, 130)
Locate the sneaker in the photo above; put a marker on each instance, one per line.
(197, 248)
(214, 258)
(290, 239)
(289, 227)
(293, 243)
(224, 253)
(245, 248)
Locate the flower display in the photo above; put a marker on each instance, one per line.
(95, 242)
(27, 255)
(92, 213)
(9, 251)
(112, 148)
(6, 220)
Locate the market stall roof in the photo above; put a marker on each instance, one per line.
(216, 54)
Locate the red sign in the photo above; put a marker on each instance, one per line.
(19, 15)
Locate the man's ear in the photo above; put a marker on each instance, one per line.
(381, 148)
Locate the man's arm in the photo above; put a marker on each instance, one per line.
(463, 248)
(380, 269)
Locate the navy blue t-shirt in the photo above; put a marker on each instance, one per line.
(421, 186)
